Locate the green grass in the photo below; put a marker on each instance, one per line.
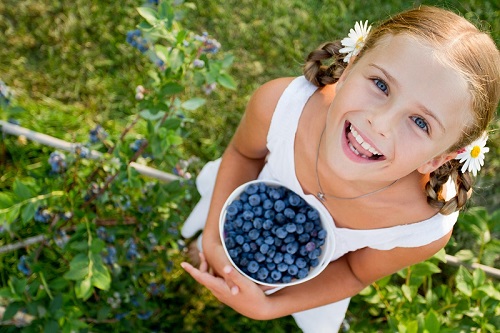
(71, 69)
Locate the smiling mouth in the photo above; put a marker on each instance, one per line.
(360, 147)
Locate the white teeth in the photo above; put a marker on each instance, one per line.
(363, 144)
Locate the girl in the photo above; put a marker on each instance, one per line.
(374, 142)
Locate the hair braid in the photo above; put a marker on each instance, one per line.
(463, 184)
(321, 75)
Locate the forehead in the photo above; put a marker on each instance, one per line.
(423, 76)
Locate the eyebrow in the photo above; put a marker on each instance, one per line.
(421, 107)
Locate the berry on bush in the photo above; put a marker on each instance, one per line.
(279, 245)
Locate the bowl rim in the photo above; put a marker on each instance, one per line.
(328, 248)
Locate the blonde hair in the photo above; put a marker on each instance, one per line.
(459, 45)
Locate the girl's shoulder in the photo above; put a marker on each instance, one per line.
(264, 100)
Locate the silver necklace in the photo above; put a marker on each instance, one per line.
(321, 194)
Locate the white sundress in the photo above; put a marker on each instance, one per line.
(280, 166)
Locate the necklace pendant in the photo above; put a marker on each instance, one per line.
(321, 196)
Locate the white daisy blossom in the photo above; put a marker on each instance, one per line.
(472, 156)
(355, 40)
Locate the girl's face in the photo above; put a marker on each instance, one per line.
(397, 110)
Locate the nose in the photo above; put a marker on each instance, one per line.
(382, 120)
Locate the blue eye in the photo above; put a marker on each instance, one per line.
(421, 123)
(381, 85)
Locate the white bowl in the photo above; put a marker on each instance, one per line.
(327, 248)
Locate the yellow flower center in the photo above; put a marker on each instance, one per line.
(475, 151)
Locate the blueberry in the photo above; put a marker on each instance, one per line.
(257, 223)
(253, 266)
(257, 211)
(269, 240)
(251, 189)
(253, 234)
(280, 218)
(322, 234)
(308, 227)
(271, 266)
(279, 205)
(290, 227)
(304, 238)
(301, 262)
(276, 275)
(245, 247)
(269, 214)
(289, 239)
(311, 246)
(282, 267)
(229, 243)
(247, 226)
(293, 270)
(281, 233)
(248, 215)
(264, 248)
(238, 222)
(289, 213)
(268, 204)
(278, 257)
(314, 254)
(288, 258)
(294, 200)
(262, 273)
(232, 210)
(254, 199)
(313, 214)
(259, 257)
(300, 218)
(302, 273)
(286, 279)
(292, 248)
(239, 239)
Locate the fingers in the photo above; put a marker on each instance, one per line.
(229, 275)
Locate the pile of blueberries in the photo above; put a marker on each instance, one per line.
(272, 234)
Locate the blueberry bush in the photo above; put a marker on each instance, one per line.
(90, 244)
(88, 239)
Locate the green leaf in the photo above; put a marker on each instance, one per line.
(28, 212)
(11, 310)
(171, 88)
(12, 213)
(464, 281)
(432, 322)
(51, 326)
(79, 267)
(407, 292)
(97, 245)
(22, 191)
(176, 59)
(172, 123)
(227, 61)
(148, 14)
(193, 103)
(5, 200)
(425, 268)
(83, 289)
(227, 81)
(100, 275)
(166, 12)
(148, 115)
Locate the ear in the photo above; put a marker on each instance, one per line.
(436, 162)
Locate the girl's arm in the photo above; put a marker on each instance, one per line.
(342, 278)
(242, 161)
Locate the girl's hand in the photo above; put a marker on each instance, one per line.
(232, 289)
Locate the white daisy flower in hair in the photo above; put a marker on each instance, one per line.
(472, 156)
(355, 40)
